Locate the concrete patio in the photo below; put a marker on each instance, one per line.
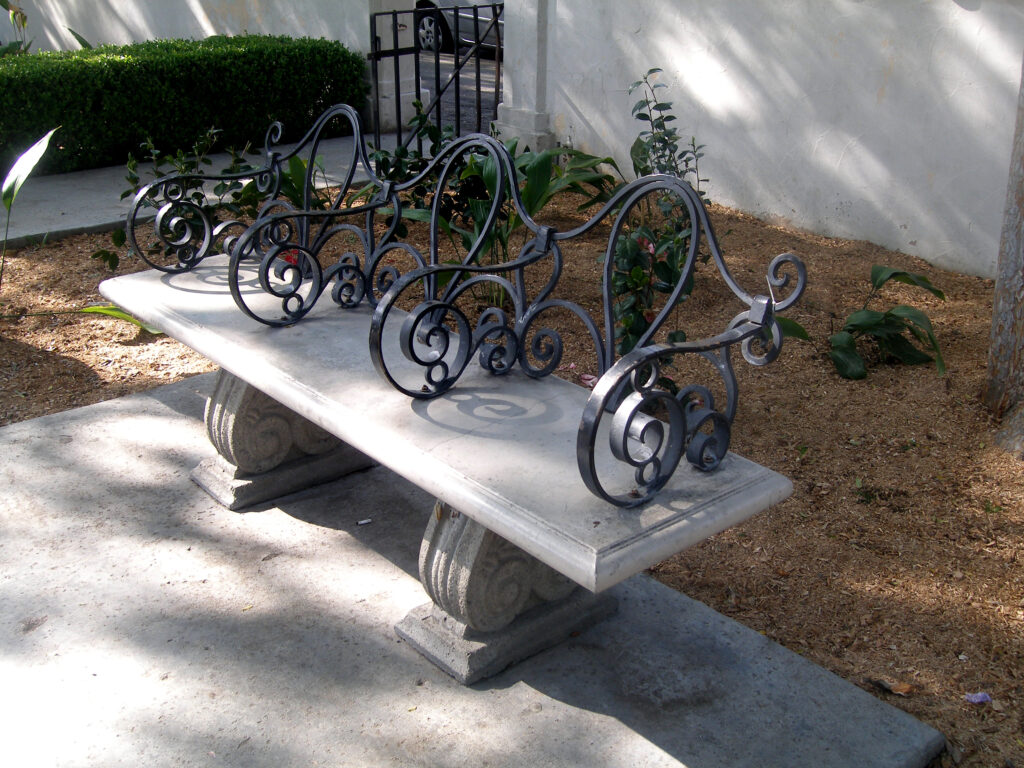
(142, 624)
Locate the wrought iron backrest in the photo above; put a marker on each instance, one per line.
(288, 248)
(509, 337)
(439, 338)
(281, 265)
(197, 215)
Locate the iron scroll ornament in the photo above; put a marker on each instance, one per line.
(438, 337)
(287, 248)
(187, 227)
(688, 424)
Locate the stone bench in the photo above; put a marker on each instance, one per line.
(542, 485)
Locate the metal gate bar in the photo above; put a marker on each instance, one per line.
(444, 92)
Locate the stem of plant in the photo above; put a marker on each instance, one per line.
(20, 315)
(867, 301)
(3, 253)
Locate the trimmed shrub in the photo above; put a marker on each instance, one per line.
(108, 100)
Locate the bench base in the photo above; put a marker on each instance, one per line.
(266, 450)
(469, 655)
(236, 489)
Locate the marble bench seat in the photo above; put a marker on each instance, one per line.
(499, 453)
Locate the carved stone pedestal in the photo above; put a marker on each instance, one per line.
(493, 604)
(266, 450)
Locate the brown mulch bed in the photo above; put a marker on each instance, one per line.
(898, 562)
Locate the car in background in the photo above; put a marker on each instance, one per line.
(436, 24)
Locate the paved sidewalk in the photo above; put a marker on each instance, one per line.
(143, 625)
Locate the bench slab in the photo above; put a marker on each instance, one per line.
(501, 450)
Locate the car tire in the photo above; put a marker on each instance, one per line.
(431, 31)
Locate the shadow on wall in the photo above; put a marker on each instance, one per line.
(884, 122)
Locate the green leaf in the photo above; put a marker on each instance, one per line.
(538, 181)
(914, 315)
(108, 257)
(848, 363)
(900, 348)
(86, 45)
(880, 275)
(22, 167)
(639, 154)
(665, 272)
(863, 320)
(792, 329)
(419, 214)
(676, 337)
(880, 325)
(921, 320)
(118, 237)
(489, 174)
(113, 311)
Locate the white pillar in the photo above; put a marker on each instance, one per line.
(524, 108)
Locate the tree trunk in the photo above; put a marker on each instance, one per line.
(1005, 391)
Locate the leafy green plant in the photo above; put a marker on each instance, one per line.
(235, 196)
(94, 94)
(406, 161)
(650, 255)
(894, 332)
(649, 259)
(657, 149)
(541, 176)
(181, 163)
(13, 182)
(464, 207)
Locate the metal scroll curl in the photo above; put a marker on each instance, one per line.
(186, 228)
(650, 430)
(341, 247)
(276, 274)
(437, 339)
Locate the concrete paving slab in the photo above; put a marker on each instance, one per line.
(143, 625)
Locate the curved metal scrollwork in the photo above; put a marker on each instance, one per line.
(440, 344)
(631, 421)
(263, 255)
(648, 429)
(196, 213)
(430, 322)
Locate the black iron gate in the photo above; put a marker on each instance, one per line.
(455, 57)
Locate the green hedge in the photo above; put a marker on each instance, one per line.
(109, 99)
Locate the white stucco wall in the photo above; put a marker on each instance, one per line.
(886, 120)
(127, 21)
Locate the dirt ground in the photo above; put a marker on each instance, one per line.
(898, 562)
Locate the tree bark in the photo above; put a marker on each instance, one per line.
(1005, 391)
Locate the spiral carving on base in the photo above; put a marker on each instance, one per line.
(479, 578)
(256, 433)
